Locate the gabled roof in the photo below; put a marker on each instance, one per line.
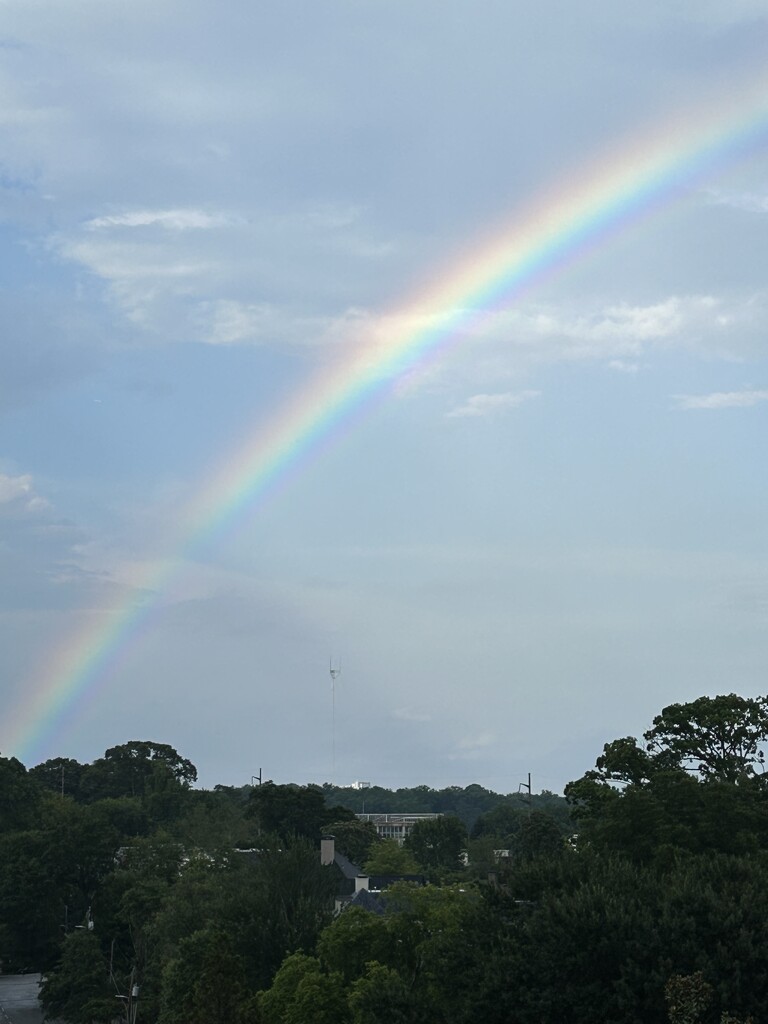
(368, 901)
(345, 865)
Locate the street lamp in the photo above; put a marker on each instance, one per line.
(131, 1000)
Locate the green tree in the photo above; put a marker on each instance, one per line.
(277, 903)
(215, 821)
(205, 982)
(539, 836)
(19, 796)
(319, 998)
(380, 996)
(78, 990)
(138, 768)
(501, 824)
(293, 811)
(355, 938)
(695, 788)
(437, 843)
(355, 839)
(389, 858)
(33, 903)
(718, 737)
(274, 1002)
(60, 775)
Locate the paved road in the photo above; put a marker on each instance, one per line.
(19, 999)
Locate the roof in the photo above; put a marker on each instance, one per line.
(345, 865)
(367, 901)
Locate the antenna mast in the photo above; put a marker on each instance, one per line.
(335, 673)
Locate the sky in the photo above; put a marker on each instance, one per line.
(518, 542)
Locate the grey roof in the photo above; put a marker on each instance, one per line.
(367, 901)
(345, 865)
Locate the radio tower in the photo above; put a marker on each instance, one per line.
(335, 673)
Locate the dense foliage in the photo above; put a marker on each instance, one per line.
(644, 899)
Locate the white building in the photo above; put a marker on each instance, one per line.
(395, 826)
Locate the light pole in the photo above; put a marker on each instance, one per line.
(131, 1000)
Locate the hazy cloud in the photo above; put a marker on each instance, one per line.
(491, 405)
(721, 400)
(751, 202)
(176, 220)
(19, 492)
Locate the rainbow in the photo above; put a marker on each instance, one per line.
(582, 212)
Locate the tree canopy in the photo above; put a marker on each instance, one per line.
(217, 905)
(718, 737)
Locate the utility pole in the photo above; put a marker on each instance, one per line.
(526, 785)
(133, 1005)
(132, 999)
(254, 778)
(335, 673)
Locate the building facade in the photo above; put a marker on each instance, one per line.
(395, 826)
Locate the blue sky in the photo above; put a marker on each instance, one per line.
(525, 549)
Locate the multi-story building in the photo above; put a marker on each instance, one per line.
(395, 826)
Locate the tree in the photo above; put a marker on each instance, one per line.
(718, 737)
(274, 1002)
(319, 998)
(19, 796)
(60, 775)
(501, 824)
(277, 903)
(205, 983)
(389, 858)
(215, 821)
(352, 940)
(78, 990)
(694, 788)
(355, 839)
(293, 811)
(32, 901)
(138, 768)
(539, 836)
(437, 843)
(380, 996)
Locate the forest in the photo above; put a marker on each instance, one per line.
(639, 896)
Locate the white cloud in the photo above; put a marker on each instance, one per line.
(18, 490)
(721, 400)
(490, 405)
(621, 328)
(184, 273)
(175, 220)
(507, 345)
(232, 322)
(12, 487)
(751, 202)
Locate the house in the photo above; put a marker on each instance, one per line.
(354, 887)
